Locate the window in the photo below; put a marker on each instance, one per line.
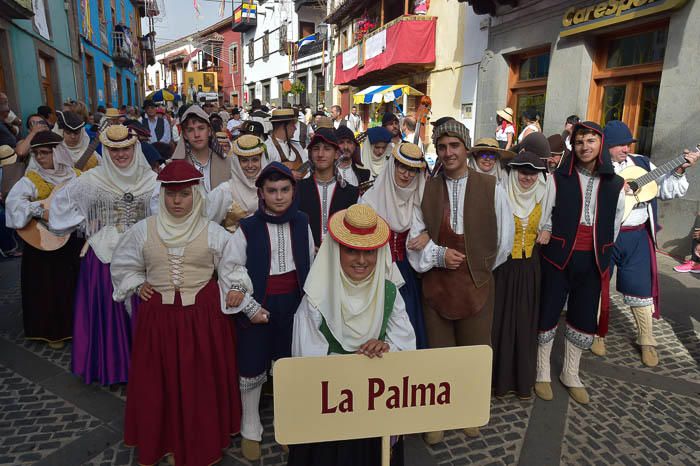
(626, 78)
(233, 58)
(128, 92)
(283, 39)
(107, 79)
(266, 45)
(46, 75)
(251, 52)
(528, 83)
(120, 100)
(92, 86)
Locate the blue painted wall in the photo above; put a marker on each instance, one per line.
(23, 39)
(101, 51)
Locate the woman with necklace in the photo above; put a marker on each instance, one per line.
(103, 204)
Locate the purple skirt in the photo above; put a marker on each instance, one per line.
(102, 329)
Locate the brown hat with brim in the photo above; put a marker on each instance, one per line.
(283, 114)
(45, 139)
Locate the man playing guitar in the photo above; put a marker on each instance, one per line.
(635, 249)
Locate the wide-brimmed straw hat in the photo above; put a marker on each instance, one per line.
(283, 114)
(359, 227)
(7, 155)
(112, 112)
(248, 145)
(490, 145)
(506, 114)
(118, 136)
(409, 154)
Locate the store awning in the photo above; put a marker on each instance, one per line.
(379, 94)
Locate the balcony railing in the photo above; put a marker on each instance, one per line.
(309, 49)
(122, 47)
(385, 48)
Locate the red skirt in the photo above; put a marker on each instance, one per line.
(183, 396)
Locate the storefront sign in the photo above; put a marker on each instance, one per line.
(611, 12)
(320, 399)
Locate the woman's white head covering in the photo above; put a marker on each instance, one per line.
(353, 311)
(62, 170)
(392, 202)
(243, 188)
(78, 151)
(523, 200)
(179, 232)
(136, 179)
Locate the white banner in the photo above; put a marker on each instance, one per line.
(375, 45)
(350, 58)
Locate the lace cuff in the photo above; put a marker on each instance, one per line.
(239, 288)
(439, 256)
(36, 209)
(251, 309)
(250, 383)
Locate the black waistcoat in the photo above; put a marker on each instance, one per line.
(566, 217)
(310, 203)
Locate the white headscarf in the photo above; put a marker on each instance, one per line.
(62, 170)
(496, 171)
(353, 311)
(77, 151)
(373, 163)
(522, 201)
(392, 202)
(137, 178)
(243, 188)
(179, 232)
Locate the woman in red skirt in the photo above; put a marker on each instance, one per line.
(183, 398)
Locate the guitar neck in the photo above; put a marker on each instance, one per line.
(660, 171)
(82, 161)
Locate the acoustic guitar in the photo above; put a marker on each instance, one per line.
(642, 183)
(37, 234)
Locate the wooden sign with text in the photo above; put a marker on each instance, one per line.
(320, 399)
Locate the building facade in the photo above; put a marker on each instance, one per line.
(285, 51)
(38, 63)
(110, 33)
(635, 61)
(427, 45)
(220, 51)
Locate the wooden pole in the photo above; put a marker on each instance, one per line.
(386, 448)
(381, 14)
(405, 7)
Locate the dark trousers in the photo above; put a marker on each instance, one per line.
(579, 280)
(696, 227)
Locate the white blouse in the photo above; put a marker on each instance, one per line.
(307, 339)
(424, 260)
(128, 266)
(219, 201)
(20, 207)
(349, 175)
(234, 259)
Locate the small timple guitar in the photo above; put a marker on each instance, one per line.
(37, 234)
(643, 184)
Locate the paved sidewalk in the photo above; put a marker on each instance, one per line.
(637, 415)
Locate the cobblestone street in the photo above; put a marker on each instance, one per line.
(637, 415)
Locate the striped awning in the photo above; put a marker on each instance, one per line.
(379, 94)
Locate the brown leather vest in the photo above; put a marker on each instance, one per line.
(456, 294)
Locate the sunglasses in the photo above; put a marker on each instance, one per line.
(487, 156)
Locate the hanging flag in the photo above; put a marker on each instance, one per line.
(307, 40)
(196, 7)
(222, 8)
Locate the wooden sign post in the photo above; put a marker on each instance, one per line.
(319, 399)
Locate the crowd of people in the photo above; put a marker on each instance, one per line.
(192, 250)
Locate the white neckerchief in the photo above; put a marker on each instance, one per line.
(496, 171)
(392, 202)
(522, 201)
(78, 151)
(136, 179)
(62, 170)
(179, 232)
(353, 311)
(243, 188)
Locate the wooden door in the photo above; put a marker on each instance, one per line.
(120, 99)
(92, 87)
(46, 83)
(107, 86)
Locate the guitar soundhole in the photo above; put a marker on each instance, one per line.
(633, 185)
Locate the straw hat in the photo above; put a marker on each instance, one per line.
(359, 227)
(7, 155)
(506, 114)
(222, 135)
(118, 136)
(283, 114)
(325, 122)
(248, 145)
(409, 154)
(490, 145)
(112, 112)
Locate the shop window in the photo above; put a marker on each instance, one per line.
(528, 83)
(625, 80)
